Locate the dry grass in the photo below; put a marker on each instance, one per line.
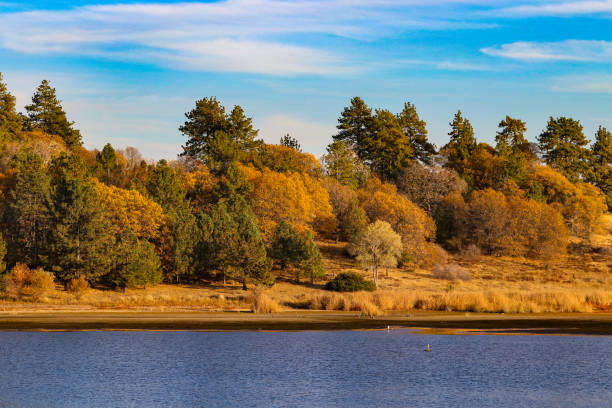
(262, 303)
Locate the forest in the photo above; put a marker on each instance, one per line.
(232, 208)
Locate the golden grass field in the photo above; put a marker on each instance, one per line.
(572, 283)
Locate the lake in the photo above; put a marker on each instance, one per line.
(302, 369)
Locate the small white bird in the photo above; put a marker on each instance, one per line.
(428, 349)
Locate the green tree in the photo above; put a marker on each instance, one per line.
(164, 186)
(462, 143)
(291, 142)
(563, 147)
(416, 132)
(27, 215)
(342, 164)
(511, 136)
(184, 229)
(10, 121)
(46, 113)
(312, 264)
(136, 263)
(390, 151)
(106, 162)
(601, 161)
(288, 246)
(356, 127)
(81, 244)
(216, 137)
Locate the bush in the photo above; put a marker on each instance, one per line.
(350, 282)
(78, 286)
(262, 303)
(471, 252)
(451, 272)
(23, 282)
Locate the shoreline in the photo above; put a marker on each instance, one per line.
(429, 322)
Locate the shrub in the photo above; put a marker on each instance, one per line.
(350, 282)
(451, 272)
(23, 282)
(471, 252)
(78, 286)
(262, 303)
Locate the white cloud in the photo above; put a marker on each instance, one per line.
(559, 9)
(568, 50)
(313, 136)
(262, 36)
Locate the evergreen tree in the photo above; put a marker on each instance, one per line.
(563, 147)
(390, 151)
(354, 222)
(514, 148)
(27, 215)
(462, 143)
(601, 161)
(46, 113)
(106, 162)
(206, 121)
(356, 127)
(184, 229)
(342, 164)
(416, 132)
(164, 186)
(291, 142)
(10, 120)
(136, 263)
(288, 246)
(313, 260)
(81, 243)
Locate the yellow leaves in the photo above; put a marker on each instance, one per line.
(286, 159)
(129, 208)
(295, 198)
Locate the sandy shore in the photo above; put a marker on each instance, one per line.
(439, 322)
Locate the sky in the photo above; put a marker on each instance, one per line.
(127, 70)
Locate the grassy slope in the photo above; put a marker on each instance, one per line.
(499, 284)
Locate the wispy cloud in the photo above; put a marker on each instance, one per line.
(589, 84)
(568, 50)
(558, 9)
(279, 37)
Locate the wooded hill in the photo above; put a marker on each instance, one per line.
(233, 207)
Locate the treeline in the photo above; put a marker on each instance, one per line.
(233, 207)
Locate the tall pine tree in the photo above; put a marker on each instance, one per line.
(462, 143)
(46, 113)
(563, 147)
(601, 162)
(416, 132)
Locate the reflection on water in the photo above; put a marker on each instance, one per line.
(308, 369)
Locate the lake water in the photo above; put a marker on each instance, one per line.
(302, 369)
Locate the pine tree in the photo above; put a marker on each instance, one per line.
(416, 132)
(27, 216)
(291, 142)
(342, 164)
(184, 229)
(106, 162)
(514, 148)
(356, 127)
(563, 147)
(601, 161)
(46, 113)
(81, 241)
(313, 260)
(462, 142)
(164, 186)
(288, 246)
(136, 263)
(214, 135)
(390, 151)
(10, 120)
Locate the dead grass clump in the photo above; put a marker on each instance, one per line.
(362, 302)
(78, 286)
(23, 282)
(262, 303)
(451, 272)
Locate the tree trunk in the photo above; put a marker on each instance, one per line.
(376, 276)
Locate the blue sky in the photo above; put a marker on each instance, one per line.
(128, 70)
